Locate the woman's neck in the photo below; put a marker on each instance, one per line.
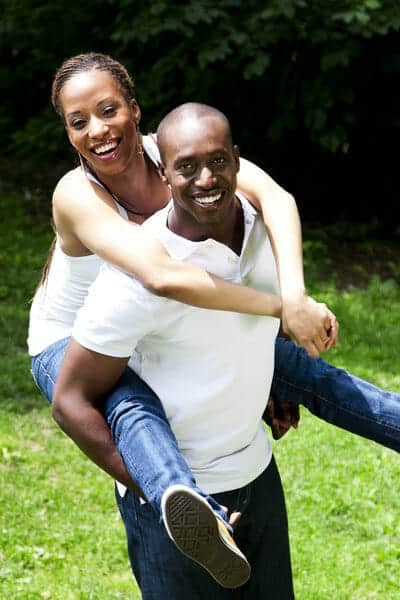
(139, 189)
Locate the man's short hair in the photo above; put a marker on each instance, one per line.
(184, 111)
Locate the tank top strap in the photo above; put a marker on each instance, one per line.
(151, 148)
(93, 177)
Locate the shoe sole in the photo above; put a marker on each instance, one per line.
(192, 525)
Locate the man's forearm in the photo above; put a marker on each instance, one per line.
(86, 426)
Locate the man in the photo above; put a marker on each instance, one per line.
(212, 370)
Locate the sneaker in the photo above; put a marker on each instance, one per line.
(202, 535)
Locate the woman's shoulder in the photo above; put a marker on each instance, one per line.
(68, 185)
(75, 188)
(69, 179)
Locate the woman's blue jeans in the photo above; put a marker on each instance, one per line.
(149, 449)
(148, 446)
(335, 395)
(139, 427)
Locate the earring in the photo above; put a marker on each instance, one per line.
(139, 140)
(81, 160)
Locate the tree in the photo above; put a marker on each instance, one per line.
(301, 73)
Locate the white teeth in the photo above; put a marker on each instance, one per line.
(208, 199)
(107, 147)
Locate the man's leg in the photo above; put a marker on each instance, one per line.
(335, 395)
(150, 452)
(161, 570)
(262, 533)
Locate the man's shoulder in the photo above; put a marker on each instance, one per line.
(117, 281)
(117, 291)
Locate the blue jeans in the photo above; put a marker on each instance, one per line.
(139, 426)
(149, 448)
(148, 445)
(162, 571)
(336, 396)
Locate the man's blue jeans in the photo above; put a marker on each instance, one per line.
(162, 571)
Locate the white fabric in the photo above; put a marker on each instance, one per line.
(211, 369)
(55, 304)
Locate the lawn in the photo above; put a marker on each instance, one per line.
(61, 536)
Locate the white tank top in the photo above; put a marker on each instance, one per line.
(56, 303)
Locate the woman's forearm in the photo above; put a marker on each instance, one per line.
(309, 323)
(192, 285)
(135, 250)
(282, 222)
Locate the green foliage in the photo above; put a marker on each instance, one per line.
(303, 64)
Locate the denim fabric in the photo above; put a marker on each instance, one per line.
(336, 396)
(162, 571)
(150, 451)
(46, 365)
(139, 426)
(148, 445)
(145, 440)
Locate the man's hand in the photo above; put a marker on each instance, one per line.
(281, 416)
(309, 323)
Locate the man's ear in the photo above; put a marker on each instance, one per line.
(236, 156)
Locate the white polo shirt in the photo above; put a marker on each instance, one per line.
(212, 370)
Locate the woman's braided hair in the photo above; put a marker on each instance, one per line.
(81, 64)
(86, 62)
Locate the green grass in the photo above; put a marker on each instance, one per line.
(60, 533)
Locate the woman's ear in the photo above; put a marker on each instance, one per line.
(161, 171)
(137, 113)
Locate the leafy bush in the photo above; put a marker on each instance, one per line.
(301, 80)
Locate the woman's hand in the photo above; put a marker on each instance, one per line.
(309, 323)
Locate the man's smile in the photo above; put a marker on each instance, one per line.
(208, 199)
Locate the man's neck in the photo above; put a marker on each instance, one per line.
(229, 232)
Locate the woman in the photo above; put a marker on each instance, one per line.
(101, 119)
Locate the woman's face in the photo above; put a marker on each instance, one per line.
(100, 123)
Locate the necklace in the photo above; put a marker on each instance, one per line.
(119, 201)
(114, 196)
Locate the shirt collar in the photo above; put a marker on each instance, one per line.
(183, 248)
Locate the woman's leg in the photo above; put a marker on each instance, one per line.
(146, 442)
(162, 572)
(139, 426)
(149, 449)
(335, 395)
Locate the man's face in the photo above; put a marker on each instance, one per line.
(200, 164)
